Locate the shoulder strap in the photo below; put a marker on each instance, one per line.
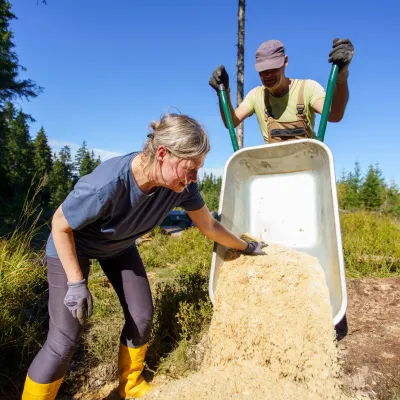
(267, 105)
(300, 100)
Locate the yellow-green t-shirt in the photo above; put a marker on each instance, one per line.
(284, 108)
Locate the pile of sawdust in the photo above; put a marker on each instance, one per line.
(271, 335)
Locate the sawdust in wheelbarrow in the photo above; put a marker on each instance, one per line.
(271, 335)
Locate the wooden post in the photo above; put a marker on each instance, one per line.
(240, 67)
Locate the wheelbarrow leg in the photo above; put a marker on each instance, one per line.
(341, 328)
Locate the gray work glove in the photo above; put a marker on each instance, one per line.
(219, 76)
(79, 301)
(255, 248)
(342, 52)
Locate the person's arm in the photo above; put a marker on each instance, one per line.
(341, 54)
(218, 77)
(339, 100)
(214, 230)
(65, 245)
(80, 208)
(340, 97)
(217, 232)
(78, 299)
(238, 115)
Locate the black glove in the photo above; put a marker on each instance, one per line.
(342, 52)
(254, 248)
(219, 76)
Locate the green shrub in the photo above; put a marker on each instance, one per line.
(371, 245)
(191, 250)
(182, 307)
(191, 317)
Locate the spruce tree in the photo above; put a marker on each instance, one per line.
(87, 161)
(42, 154)
(80, 154)
(19, 152)
(354, 182)
(43, 164)
(61, 177)
(372, 190)
(86, 166)
(11, 85)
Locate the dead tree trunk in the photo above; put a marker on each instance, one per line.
(240, 68)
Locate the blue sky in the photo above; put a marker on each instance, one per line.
(109, 67)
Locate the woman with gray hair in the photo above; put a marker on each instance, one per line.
(122, 199)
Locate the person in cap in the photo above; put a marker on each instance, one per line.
(285, 107)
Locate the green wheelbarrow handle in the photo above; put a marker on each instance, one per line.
(327, 103)
(228, 117)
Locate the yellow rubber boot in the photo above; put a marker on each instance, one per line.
(130, 367)
(40, 391)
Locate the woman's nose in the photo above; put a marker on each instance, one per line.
(193, 176)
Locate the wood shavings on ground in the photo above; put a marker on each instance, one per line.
(271, 335)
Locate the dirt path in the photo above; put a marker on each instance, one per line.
(371, 350)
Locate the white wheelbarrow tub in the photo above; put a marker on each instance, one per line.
(285, 193)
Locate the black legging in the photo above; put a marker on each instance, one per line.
(127, 274)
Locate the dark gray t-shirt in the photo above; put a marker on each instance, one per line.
(108, 212)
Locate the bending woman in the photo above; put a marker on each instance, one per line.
(122, 199)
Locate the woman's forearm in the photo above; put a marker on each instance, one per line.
(223, 236)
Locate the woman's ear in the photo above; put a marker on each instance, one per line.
(162, 153)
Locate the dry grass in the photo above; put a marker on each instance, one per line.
(23, 311)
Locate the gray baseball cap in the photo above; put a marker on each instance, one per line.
(270, 55)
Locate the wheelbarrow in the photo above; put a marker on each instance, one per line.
(285, 193)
